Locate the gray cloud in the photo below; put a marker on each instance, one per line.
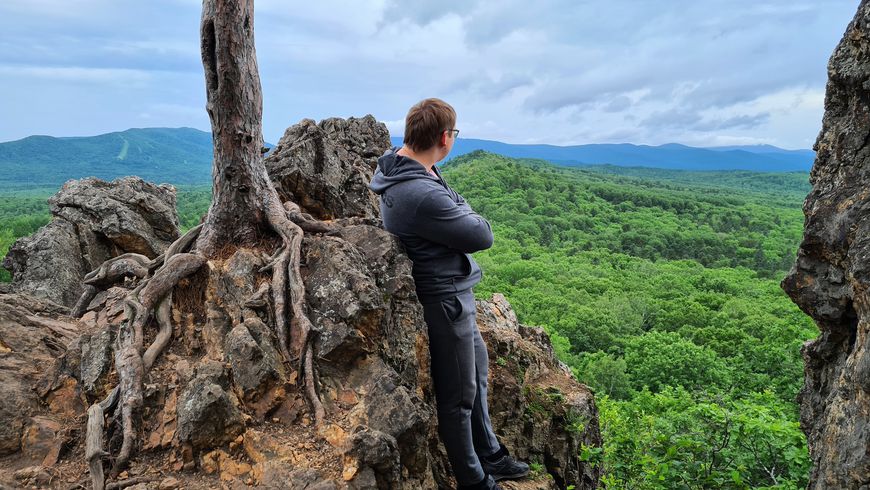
(691, 120)
(424, 12)
(617, 104)
(489, 87)
(555, 71)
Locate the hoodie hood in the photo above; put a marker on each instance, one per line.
(394, 168)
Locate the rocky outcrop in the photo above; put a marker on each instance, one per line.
(32, 334)
(326, 167)
(539, 410)
(830, 280)
(92, 221)
(222, 407)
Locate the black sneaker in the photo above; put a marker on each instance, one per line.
(488, 483)
(503, 467)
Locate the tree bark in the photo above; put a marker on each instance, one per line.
(235, 107)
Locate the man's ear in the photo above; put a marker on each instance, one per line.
(443, 138)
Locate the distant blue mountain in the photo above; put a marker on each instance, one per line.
(184, 156)
(761, 158)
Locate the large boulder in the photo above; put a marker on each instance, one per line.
(326, 167)
(33, 333)
(92, 221)
(830, 279)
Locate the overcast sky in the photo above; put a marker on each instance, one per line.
(700, 72)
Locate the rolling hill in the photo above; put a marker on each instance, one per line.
(762, 158)
(183, 156)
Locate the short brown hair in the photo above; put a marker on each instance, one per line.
(426, 121)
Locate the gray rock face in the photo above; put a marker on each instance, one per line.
(96, 358)
(256, 366)
(831, 277)
(538, 410)
(372, 341)
(326, 167)
(378, 451)
(32, 334)
(92, 221)
(208, 413)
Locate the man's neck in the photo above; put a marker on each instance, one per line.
(428, 158)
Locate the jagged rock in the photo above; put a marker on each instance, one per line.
(253, 369)
(134, 215)
(208, 413)
(32, 334)
(42, 440)
(378, 451)
(282, 477)
(96, 358)
(538, 410)
(169, 483)
(831, 276)
(33, 475)
(92, 221)
(49, 264)
(326, 167)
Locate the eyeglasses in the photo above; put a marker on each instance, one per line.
(454, 131)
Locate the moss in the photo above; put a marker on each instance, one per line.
(536, 470)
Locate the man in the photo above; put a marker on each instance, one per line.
(439, 231)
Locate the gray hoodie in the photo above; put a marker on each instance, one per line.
(436, 225)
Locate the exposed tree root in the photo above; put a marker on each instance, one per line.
(311, 391)
(164, 335)
(84, 300)
(110, 272)
(94, 453)
(130, 363)
(130, 264)
(153, 297)
(136, 265)
(183, 243)
(288, 277)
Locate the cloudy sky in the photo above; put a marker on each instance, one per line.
(699, 72)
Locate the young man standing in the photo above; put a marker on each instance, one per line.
(440, 231)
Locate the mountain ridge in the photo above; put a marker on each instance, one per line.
(184, 156)
(672, 156)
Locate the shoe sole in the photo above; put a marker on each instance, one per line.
(510, 477)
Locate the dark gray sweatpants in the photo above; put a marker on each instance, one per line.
(460, 366)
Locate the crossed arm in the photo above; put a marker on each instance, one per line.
(455, 225)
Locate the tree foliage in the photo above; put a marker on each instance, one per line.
(660, 290)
